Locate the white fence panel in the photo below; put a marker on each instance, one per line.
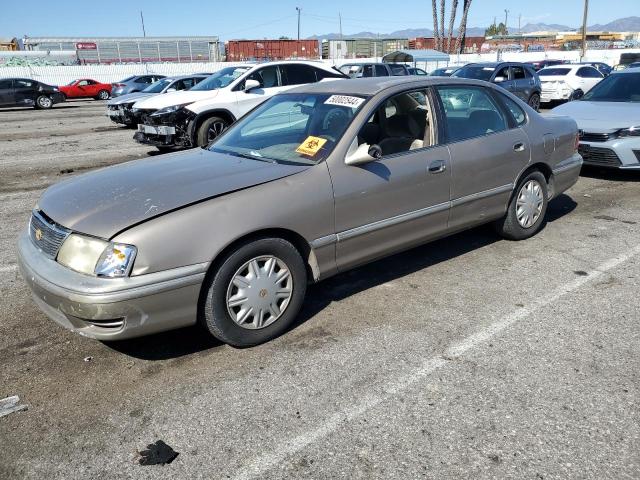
(60, 75)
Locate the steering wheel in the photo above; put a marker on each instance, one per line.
(333, 115)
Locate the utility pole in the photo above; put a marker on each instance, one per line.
(298, 10)
(506, 19)
(520, 23)
(144, 34)
(340, 24)
(584, 29)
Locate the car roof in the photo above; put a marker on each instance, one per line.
(180, 77)
(373, 85)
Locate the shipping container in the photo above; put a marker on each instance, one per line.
(362, 47)
(242, 50)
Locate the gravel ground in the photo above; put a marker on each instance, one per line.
(471, 357)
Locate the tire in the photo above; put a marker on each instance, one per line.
(164, 149)
(577, 95)
(534, 101)
(210, 129)
(103, 95)
(43, 102)
(239, 264)
(528, 188)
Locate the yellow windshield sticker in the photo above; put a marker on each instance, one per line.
(311, 145)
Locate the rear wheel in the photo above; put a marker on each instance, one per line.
(43, 102)
(527, 208)
(534, 102)
(103, 95)
(210, 129)
(256, 293)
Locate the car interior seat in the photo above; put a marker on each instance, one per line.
(482, 122)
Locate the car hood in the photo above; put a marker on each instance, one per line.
(174, 98)
(601, 117)
(108, 201)
(130, 98)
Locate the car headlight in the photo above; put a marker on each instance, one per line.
(171, 109)
(629, 132)
(93, 256)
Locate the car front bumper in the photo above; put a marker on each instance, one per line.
(107, 308)
(555, 95)
(620, 153)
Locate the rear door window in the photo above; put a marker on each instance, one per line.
(297, 74)
(6, 84)
(470, 112)
(518, 73)
(381, 71)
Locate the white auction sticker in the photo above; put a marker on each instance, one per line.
(344, 101)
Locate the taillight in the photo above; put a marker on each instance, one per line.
(118, 85)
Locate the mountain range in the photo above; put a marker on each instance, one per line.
(627, 24)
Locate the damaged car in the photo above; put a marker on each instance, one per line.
(120, 109)
(195, 117)
(314, 181)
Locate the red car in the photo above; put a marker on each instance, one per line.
(87, 88)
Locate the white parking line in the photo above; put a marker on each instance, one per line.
(259, 465)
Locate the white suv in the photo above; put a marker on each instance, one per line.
(195, 117)
(567, 82)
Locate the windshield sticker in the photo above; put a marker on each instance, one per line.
(311, 146)
(344, 101)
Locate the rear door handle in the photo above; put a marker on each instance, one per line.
(437, 167)
(518, 147)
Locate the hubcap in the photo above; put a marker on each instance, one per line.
(104, 95)
(215, 130)
(45, 102)
(259, 292)
(529, 204)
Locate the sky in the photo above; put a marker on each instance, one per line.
(255, 19)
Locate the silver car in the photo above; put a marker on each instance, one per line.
(314, 181)
(120, 109)
(608, 117)
(135, 83)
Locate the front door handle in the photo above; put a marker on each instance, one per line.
(518, 147)
(437, 167)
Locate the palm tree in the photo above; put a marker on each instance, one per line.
(442, 32)
(452, 20)
(436, 32)
(462, 32)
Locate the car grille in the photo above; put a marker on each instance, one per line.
(113, 107)
(46, 235)
(599, 156)
(594, 137)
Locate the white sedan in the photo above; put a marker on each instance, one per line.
(567, 82)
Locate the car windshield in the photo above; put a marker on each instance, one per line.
(621, 87)
(347, 69)
(158, 86)
(553, 72)
(474, 71)
(299, 128)
(221, 78)
(72, 82)
(127, 79)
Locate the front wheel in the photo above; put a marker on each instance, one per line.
(527, 208)
(256, 293)
(103, 95)
(43, 102)
(210, 129)
(534, 102)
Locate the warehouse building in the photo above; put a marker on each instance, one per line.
(362, 47)
(107, 50)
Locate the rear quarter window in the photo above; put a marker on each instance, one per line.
(516, 111)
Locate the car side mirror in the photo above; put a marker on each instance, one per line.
(499, 79)
(577, 95)
(365, 153)
(251, 85)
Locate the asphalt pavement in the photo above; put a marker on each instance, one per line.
(470, 357)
